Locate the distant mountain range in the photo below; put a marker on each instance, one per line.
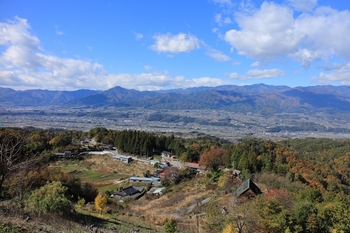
(259, 98)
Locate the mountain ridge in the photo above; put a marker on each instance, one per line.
(259, 98)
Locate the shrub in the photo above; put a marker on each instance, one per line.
(4, 228)
(50, 198)
(170, 226)
(81, 202)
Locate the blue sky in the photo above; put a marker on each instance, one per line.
(152, 45)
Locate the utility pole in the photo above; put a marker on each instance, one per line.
(197, 220)
(197, 203)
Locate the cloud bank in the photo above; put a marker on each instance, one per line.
(275, 31)
(298, 31)
(257, 74)
(25, 65)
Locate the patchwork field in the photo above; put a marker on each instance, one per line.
(103, 171)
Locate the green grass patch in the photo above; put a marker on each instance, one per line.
(119, 221)
(97, 177)
(6, 228)
(111, 188)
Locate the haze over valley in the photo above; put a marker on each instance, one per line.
(230, 112)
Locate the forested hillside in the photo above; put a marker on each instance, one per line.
(321, 163)
(305, 182)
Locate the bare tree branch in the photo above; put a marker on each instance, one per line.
(12, 154)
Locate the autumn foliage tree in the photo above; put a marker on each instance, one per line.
(214, 158)
(100, 202)
(61, 140)
(229, 229)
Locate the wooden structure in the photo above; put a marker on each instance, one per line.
(247, 190)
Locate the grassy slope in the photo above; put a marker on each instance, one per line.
(149, 213)
(103, 171)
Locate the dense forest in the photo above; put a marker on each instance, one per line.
(307, 180)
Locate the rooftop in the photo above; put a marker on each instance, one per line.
(247, 185)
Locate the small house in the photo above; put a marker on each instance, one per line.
(107, 147)
(247, 190)
(195, 167)
(154, 162)
(166, 154)
(169, 173)
(144, 179)
(66, 154)
(131, 191)
(164, 165)
(159, 191)
(157, 172)
(123, 158)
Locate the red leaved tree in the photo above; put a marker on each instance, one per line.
(214, 158)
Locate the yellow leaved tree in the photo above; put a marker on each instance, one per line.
(229, 229)
(100, 202)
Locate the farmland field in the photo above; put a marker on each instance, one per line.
(103, 171)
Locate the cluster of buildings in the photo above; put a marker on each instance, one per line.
(246, 190)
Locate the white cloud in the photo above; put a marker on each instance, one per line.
(303, 5)
(160, 81)
(214, 30)
(138, 36)
(333, 66)
(325, 32)
(247, 6)
(266, 34)
(58, 32)
(16, 33)
(217, 55)
(236, 63)
(223, 2)
(257, 74)
(340, 75)
(20, 56)
(220, 20)
(255, 64)
(306, 57)
(24, 65)
(20, 44)
(261, 74)
(175, 43)
(148, 68)
(272, 32)
(232, 75)
(50, 72)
